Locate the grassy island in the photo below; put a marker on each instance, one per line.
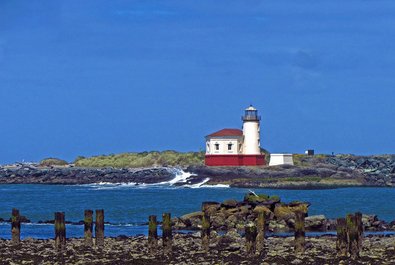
(143, 159)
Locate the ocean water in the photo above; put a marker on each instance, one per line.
(127, 207)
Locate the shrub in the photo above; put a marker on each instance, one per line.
(47, 162)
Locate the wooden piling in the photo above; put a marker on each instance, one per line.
(352, 235)
(60, 231)
(205, 231)
(15, 227)
(299, 232)
(250, 235)
(167, 234)
(99, 228)
(88, 227)
(359, 224)
(342, 240)
(260, 238)
(209, 207)
(152, 234)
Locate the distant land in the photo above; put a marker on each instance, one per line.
(309, 172)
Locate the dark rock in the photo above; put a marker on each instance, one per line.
(316, 223)
(122, 237)
(191, 220)
(72, 176)
(46, 222)
(331, 224)
(231, 203)
(81, 222)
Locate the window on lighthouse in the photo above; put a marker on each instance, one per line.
(230, 147)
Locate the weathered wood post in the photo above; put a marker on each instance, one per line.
(299, 232)
(209, 208)
(60, 231)
(359, 224)
(152, 234)
(352, 235)
(99, 228)
(88, 227)
(250, 234)
(342, 240)
(260, 238)
(205, 231)
(15, 227)
(167, 234)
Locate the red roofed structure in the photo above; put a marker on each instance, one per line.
(235, 147)
(227, 132)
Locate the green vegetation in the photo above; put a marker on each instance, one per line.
(267, 154)
(144, 159)
(300, 179)
(47, 162)
(305, 160)
(259, 198)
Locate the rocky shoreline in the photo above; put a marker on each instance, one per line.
(227, 243)
(309, 172)
(226, 249)
(75, 176)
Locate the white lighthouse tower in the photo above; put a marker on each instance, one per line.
(251, 131)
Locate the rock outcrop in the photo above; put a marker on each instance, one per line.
(71, 175)
(280, 217)
(232, 214)
(309, 172)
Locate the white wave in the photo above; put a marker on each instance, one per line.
(38, 224)
(197, 185)
(125, 225)
(110, 185)
(215, 186)
(181, 177)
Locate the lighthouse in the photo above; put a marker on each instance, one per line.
(235, 147)
(251, 131)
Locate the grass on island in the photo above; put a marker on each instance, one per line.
(143, 159)
(302, 159)
(48, 162)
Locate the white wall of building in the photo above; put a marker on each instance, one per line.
(251, 133)
(223, 146)
(281, 159)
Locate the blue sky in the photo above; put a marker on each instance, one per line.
(97, 77)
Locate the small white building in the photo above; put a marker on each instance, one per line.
(281, 159)
(225, 141)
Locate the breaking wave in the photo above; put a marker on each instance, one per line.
(181, 180)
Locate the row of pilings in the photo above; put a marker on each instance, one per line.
(348, 244)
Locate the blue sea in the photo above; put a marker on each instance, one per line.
(127, 207)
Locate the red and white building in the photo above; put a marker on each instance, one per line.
(234, 147)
